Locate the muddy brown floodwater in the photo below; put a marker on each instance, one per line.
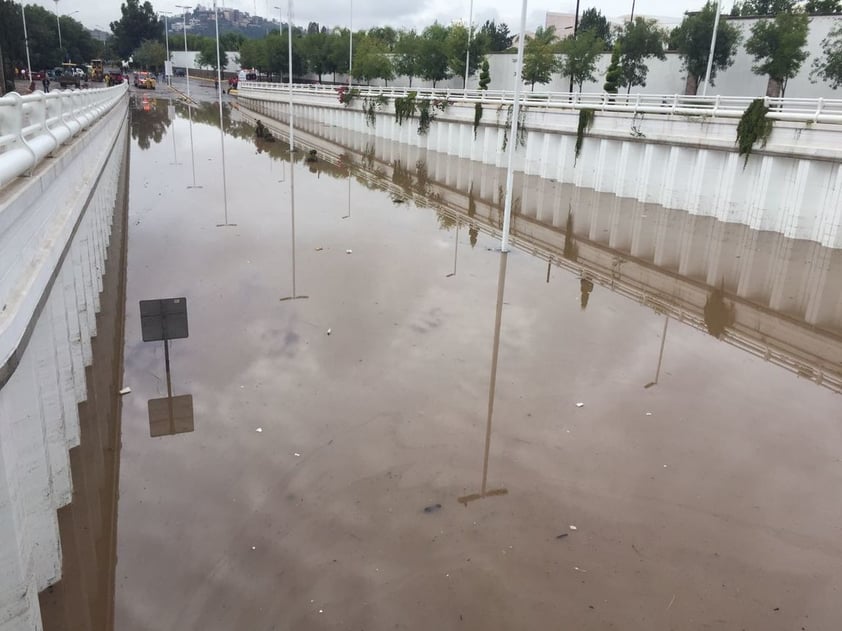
(334, 435)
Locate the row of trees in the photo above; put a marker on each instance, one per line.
(777, 44)
(77, 43)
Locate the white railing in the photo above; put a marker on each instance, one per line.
(783, 109)
(34, 125)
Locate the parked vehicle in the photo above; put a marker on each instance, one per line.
(70, 75)
(144, 81)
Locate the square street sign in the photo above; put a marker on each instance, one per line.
(164, 319)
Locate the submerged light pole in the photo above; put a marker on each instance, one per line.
(468, 50)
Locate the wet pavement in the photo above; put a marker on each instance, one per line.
(330, 475)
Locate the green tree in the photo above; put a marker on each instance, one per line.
(593, 20)
(338, 49)
(614, 74)
(484, 75)
(692, 40)
(763, 7)
(407, 59)
(496, 35)
(138, 23)
(639, 40)
(151, 54)
(539, 57)
(823, 6)
(434, 59)
(207, 54)
(778, 49)
(580, 56)
(371, 61)
(315, 48)
(829, 65)
(385, 36)
(457, 45)
(253, 54)
(231, 40)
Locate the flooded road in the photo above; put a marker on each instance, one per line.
(316, 482)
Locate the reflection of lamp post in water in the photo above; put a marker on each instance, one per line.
(455, 249)
(501, 279)
(171, 114)
(221, 120)
(292, 296)
(660, 354)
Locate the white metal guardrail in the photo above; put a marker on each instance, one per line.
(783, 109)
(34, 125)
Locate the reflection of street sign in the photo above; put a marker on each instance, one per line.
(171, 415)
(164, 319)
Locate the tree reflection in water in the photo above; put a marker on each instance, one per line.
(149, 120)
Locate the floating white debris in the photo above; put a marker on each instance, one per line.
(349, 251)
(254, 547)
(665, 466)
(321, 610)
(259, 429)
(125, 390)
(328, 331)
(572, 527)
(297, 455)
(649, 414)
(580, 405)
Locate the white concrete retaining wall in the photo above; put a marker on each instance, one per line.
(793, 186)
(54, 231)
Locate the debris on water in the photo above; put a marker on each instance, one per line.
(649, 414)
(349, 251)
(319, 249)
(311, 156)
(259, 429)
(321, 610)
(328, 331)
(578, 569)
(297, 455)
(665, 466)
(562, 535)
(572, 527)
(254, 547)
(580, 405)
(432, 508)
(125, 390)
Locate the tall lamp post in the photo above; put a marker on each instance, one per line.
(26, 42)
(712, 49)
(350, 45)
(167, 40)
(184, 8)
(468, 51)
(58, 25)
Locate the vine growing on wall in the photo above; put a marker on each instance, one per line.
(586, 117)
(405, 107)
(477, 117)
(521, 127)
(371, 105)
(753, 127)
(425, 117)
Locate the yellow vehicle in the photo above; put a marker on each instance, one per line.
(144, 80)
(97, 70)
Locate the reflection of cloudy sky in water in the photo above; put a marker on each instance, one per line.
(227, 528)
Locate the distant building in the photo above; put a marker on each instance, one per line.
(562, 22)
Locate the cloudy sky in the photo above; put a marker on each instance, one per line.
(397, 13)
